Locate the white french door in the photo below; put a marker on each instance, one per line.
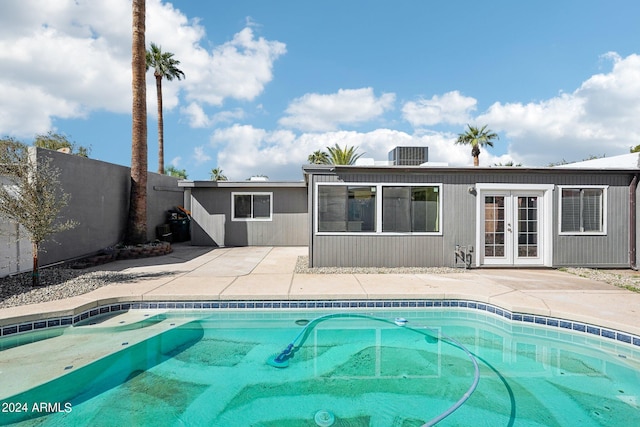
(511, 228)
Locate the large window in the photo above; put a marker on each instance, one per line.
(410, 209)
(379, 208)
(251, 206)
(582, 210)
(346, 208)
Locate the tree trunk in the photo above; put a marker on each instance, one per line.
(35, 273)
(160, 126)
(137, 222)
(475, 152)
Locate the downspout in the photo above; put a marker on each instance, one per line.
(633, 187)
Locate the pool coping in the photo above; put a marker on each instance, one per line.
(522, 318)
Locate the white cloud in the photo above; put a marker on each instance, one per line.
(175, 162)
(69, 58)
(228, 116)
(318, 112)
(18, 117)
(198, 118)
(450, 108)
(61, 63)
(200, 156)
(237, 69)
(195, 115)
(244, 150)
(600, 117)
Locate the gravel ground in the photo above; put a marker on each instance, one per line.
(303, 262)
(61, 282)
(626, 279)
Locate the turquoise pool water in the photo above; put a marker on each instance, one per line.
(210, 369)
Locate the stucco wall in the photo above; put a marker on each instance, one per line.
(15, 248)
(99, 203)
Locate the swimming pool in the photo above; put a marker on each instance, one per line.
(211, 368)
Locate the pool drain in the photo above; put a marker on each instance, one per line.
(324, 418)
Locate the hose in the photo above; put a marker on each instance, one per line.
(281, 360)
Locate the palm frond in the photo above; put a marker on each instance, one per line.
(163, 63)
(343, 156)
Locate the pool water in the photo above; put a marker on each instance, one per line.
(352, 371)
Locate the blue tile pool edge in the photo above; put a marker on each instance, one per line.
(514, 317)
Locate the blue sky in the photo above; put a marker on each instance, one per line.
(269, 82)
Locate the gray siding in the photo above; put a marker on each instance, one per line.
(212, 224)
(458, 224)
(459, 219)
(610, 251)
(377, 251)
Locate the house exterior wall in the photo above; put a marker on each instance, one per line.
(212, 224)
(397, 250)
(459, 218)
(609, 251)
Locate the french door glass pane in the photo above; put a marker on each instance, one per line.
(527, 227)
(494, 226)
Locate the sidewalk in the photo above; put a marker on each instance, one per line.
(193, 273)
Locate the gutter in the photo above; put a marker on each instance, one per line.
(633, 188)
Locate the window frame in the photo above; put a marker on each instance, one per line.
(603, 210)
(379, 213)
(252, 194)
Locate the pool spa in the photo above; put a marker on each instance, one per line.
(321, 364)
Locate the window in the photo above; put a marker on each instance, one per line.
(346, 208)
(582, 210)
(251, 206)
(410, 209)
(360, 208)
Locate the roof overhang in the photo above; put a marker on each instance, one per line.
(241, 184)
(333, 169)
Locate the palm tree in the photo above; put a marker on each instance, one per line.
(217, 175)
(137, 220)
(318, 158)
(343, 156)
(477, 137)
(163, 66)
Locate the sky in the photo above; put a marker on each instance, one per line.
(269, 82)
